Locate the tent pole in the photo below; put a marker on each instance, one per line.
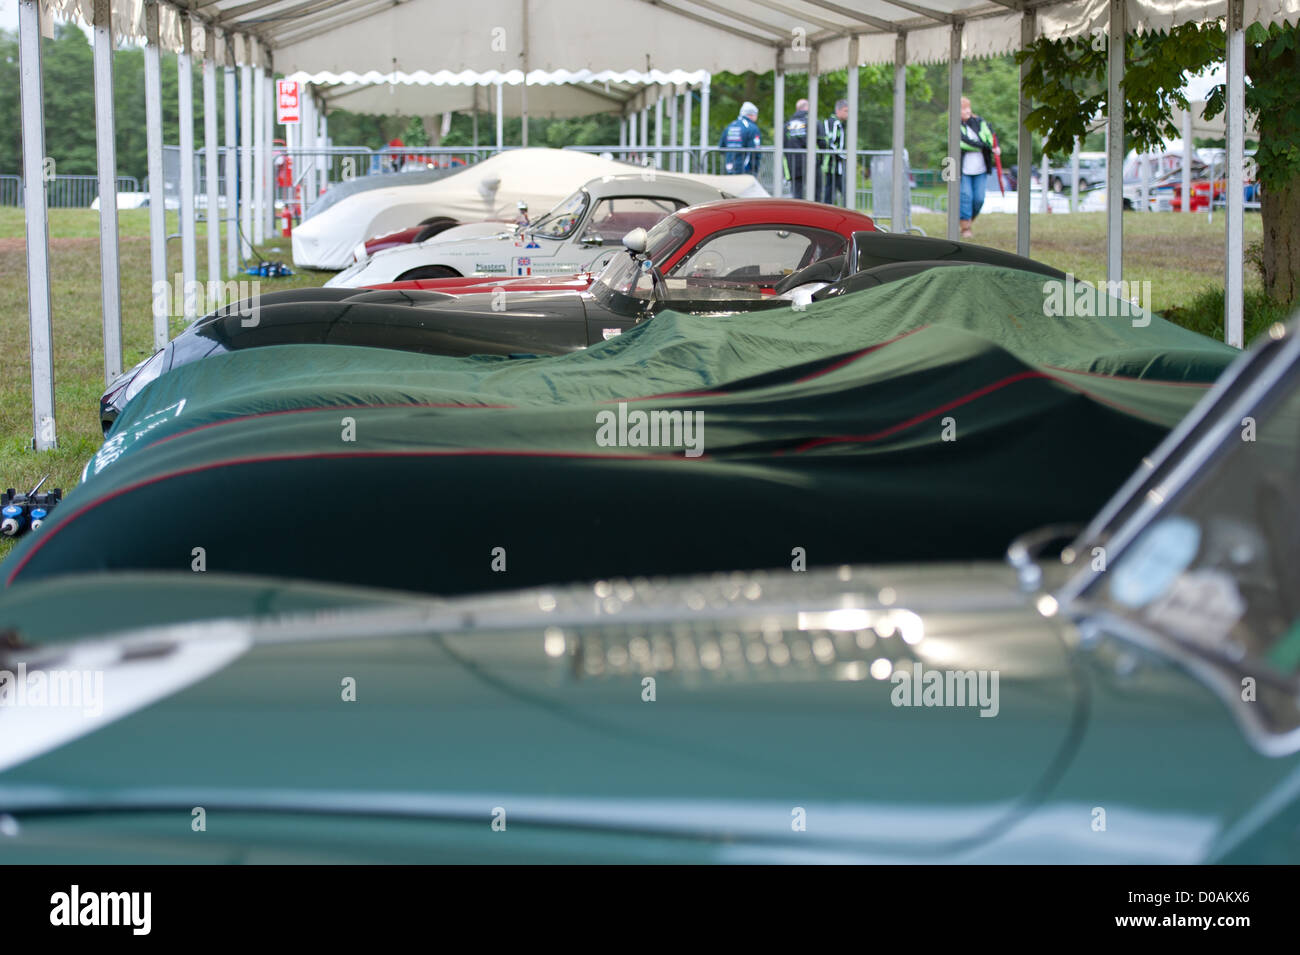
(523, 95)
(810, 154)
(673, 131)
(1024, 140)
(704, 125)
(1235, 157)
(157, 193)
(247, 188)
(268, 151)
(954, 131)
(185, 119)
(231, 214)
(501, 126)
(259, 152)
(1187, 158)
(851, 133)
(899, 213)
(211, 152)
(38, 236)
(1074, 177)
(778, 125)
(659, 129)
(1114, 145)
(686, 130)
(106, 160)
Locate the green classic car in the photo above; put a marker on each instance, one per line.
(1133, 699)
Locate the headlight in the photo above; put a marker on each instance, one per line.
(150, 370)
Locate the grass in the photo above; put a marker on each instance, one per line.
(79, 377)
(1181, 256)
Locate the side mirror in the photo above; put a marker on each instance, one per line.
(591, 238)
(636, 241)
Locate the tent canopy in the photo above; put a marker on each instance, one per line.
(391, 35)
(553, 94)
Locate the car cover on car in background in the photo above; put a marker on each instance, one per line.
(934, 417)
(490, 189)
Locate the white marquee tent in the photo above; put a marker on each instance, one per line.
(249, 38)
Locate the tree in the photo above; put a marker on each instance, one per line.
(1066, 79)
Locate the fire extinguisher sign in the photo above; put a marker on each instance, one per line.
(286, 102)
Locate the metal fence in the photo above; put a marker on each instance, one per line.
(63, 192)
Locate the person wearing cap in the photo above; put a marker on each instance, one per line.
(742, 133)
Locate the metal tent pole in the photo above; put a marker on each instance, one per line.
(106, 162)
(954, 130)
(851, 133)
(899, 213)
(232, 162)
(1024, 140)
(157, 193)
(38, 235)
(246, 186)
(810, 150)
(1115, 144)
(185, 119)
(211, 153)
(778, 125)
(1235, 157)
(259, 152)
(704, 125)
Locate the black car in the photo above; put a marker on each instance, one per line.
(629, 290)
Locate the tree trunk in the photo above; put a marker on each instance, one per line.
(1280, 201)
(1280, 210)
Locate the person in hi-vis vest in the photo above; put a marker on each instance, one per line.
(830, 165)
(977, 152)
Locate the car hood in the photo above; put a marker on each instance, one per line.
(730, 751)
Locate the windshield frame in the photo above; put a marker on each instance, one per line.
(533, 228)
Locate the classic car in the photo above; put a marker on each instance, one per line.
(1132, 700)
(722, 256)
(580, 234)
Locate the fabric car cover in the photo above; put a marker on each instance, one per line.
(486, 190)
(932, 418)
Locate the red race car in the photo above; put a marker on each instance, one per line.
(730, 244)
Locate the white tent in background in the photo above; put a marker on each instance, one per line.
(486, 190)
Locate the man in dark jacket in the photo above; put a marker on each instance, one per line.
(796, 148)
(742, 134)
(830, 170)
(977, 152)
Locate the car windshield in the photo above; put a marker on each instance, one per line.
(560, 222)
(1203, 553)
(622, 271)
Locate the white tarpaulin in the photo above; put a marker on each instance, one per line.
(487, 190)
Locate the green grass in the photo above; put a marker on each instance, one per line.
(1181, 256)
(78, 336)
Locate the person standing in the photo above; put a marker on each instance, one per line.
(977, 152)
(742, 133)
(796, 149)
(830, 171)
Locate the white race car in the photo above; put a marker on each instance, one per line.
(578, 235)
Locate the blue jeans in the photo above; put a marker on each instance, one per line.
(972, 195)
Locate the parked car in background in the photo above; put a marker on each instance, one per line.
(725, 255)
(580, 234)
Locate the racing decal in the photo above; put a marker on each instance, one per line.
(113, 448)
(608, 333)
(523, 266)
(490, 268)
